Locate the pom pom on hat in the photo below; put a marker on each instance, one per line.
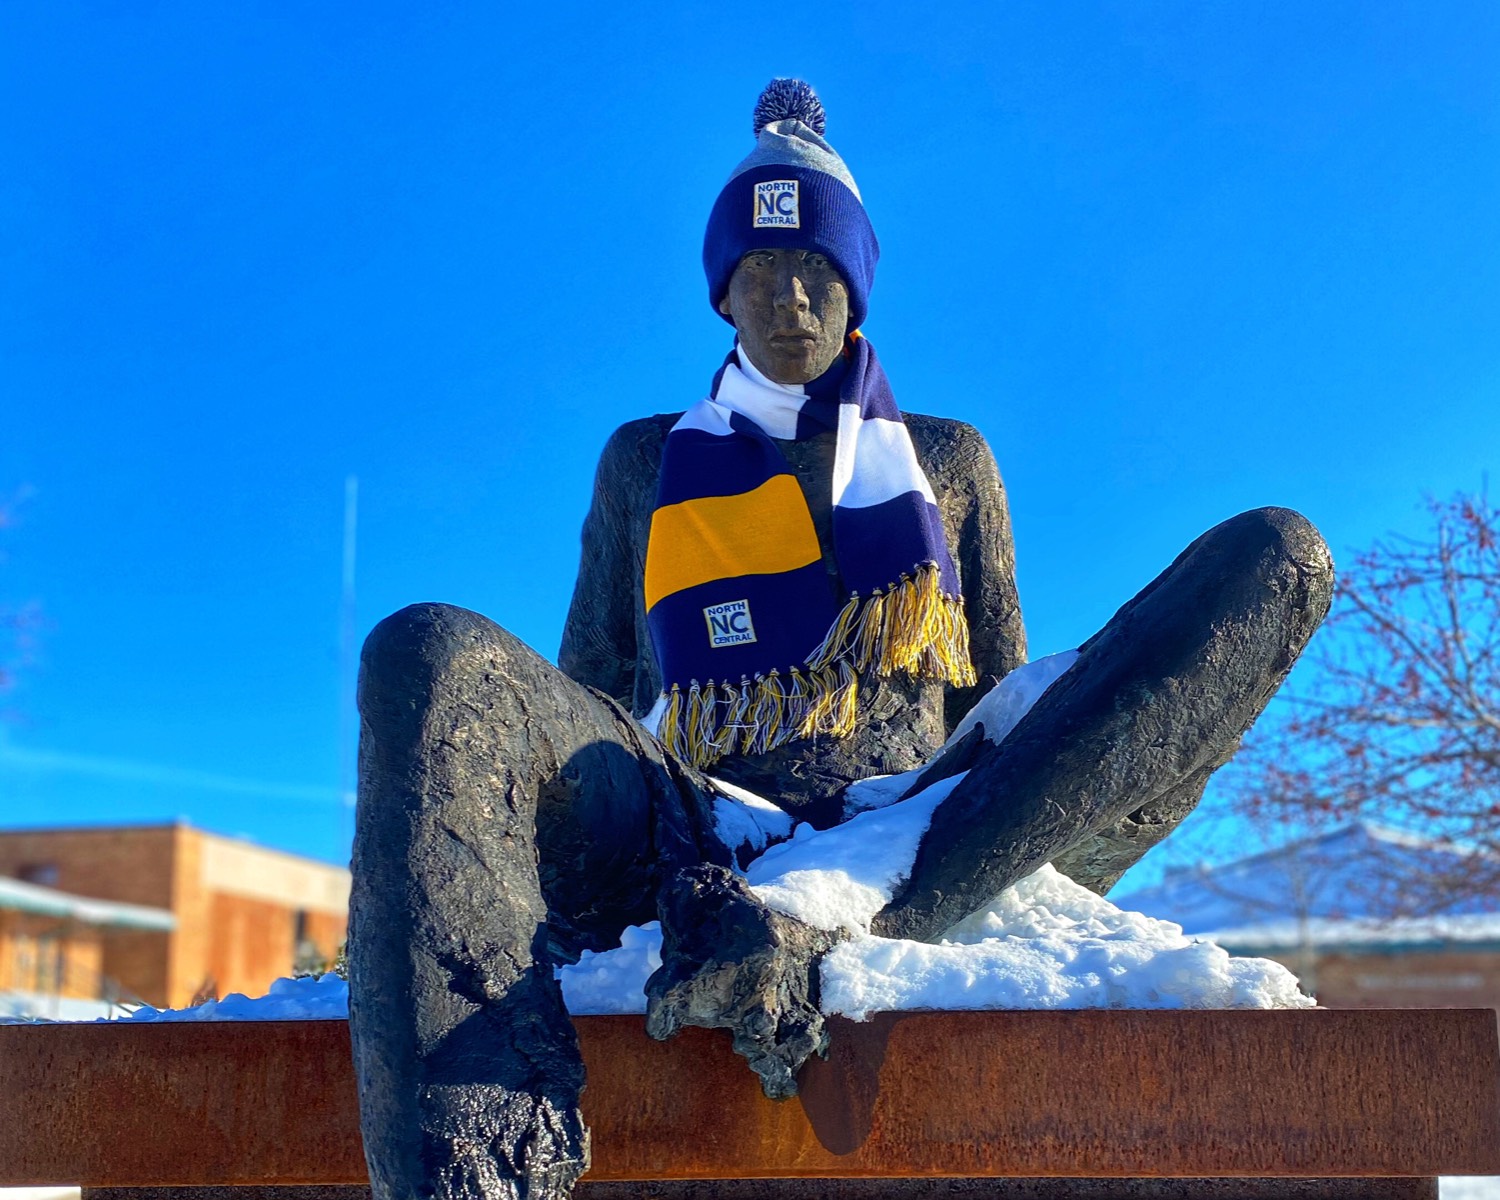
(792, 191)
(788, 100)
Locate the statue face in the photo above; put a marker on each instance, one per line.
(791, 309)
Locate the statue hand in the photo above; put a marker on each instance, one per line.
(729, 962)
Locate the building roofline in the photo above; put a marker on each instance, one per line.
(177, 823)
(82, 827)
(18, 896)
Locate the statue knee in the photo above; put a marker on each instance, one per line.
(424, 643)
(1283, 543)
(1295, 538)
(423, 672)
(1287, 580)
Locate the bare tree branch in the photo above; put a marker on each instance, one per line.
(1394, 717)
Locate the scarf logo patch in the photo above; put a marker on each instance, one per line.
(776, 205)
(729, 624)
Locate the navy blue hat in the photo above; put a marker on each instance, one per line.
(793, 192)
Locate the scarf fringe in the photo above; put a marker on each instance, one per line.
(912, 628)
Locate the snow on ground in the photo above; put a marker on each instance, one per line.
(21, 1007)
(1469, 1187)
(1450, 1187)
(1345, 881)
(1361, 931)
(39, 1193)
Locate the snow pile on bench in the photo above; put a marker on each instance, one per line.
(325, 997)
(1046, 942)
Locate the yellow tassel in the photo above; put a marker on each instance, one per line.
(693, 726)
(769, 716)
(833, 703)
(723, 731)
(912, 627)
(867, 647)
(669, 732)
(840, 633)
(737, 719)
(845, 702)
(896, 634)
(704, 729)
(756, 715)
(818, 701)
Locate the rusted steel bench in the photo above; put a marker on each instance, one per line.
(1090, 1105)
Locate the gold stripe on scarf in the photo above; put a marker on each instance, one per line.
(761, 532)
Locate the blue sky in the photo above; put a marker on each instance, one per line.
(1175, 259)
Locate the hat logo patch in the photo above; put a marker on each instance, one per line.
(729, 624)
(776, 205)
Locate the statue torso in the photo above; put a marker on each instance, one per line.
(902, 722)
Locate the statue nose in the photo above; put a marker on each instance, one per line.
(791, 295)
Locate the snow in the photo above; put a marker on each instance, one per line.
(19, 1008)
(1001, 708)
(999, 711)
(310, 999)
(1048, 942)
(746, 822)
(613, 981)
(840, 878)
(1344, 877)
(1358, 932)
(1469, 1187)
(15, 894)
(651, 722)
(40, 1193)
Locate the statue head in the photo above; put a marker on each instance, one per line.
(789, 251)
(791, 311)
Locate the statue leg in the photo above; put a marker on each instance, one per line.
(502, 807)
(1118, 750)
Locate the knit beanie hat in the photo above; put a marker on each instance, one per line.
(793, 192)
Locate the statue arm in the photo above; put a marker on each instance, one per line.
(986, 553)
(599, 643)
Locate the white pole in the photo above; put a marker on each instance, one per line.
(348, 667)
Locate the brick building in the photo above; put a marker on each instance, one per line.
(1324, 908)
(53, 945)
(241, 915)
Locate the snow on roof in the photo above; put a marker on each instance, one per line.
(32, 898)
(1344, 882)
(1272, 936)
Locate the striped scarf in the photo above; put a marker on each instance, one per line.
(755, 649)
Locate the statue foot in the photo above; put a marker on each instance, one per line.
(729, 962)
(485, 1142)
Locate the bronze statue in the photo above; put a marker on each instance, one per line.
(512, 814)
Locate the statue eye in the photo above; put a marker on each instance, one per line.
(817, 261)
(758, 259)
